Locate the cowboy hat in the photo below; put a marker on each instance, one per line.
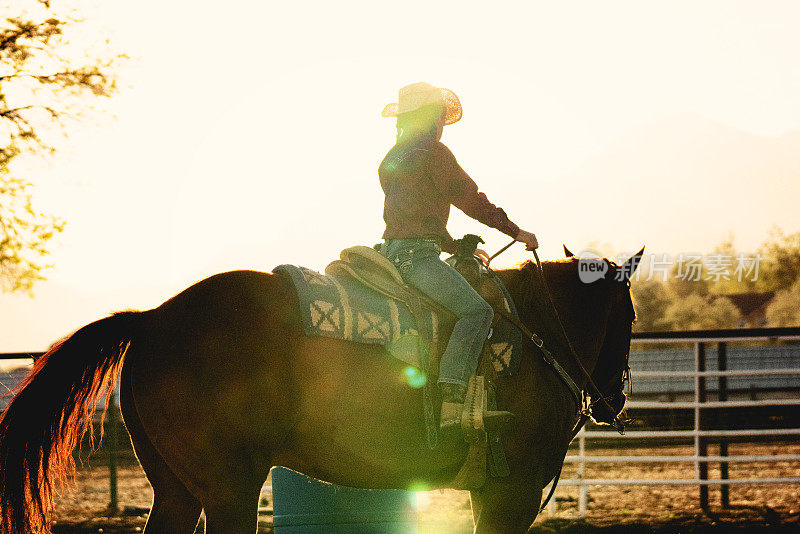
(421, 94)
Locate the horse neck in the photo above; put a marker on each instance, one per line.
(582, 308)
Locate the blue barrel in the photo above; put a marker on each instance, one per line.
(302, 504)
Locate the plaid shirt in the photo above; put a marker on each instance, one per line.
(421, 179)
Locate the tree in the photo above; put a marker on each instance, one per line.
(43, 85)
(784, 310)
(693, 296)
(696, 312)
(737, 272)
(650, 299)
(780, 267)
(687, 277)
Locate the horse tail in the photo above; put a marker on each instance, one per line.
(49, 415)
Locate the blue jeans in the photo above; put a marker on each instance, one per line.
(419, 265)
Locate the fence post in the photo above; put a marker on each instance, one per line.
(583, 496)
(700, 443)
(722, 364)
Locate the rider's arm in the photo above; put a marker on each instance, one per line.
(462, 191)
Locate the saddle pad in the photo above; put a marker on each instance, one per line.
(343, 308)
(505, 341)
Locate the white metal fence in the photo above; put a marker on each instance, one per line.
(700, 434)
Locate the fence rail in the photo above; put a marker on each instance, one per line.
(661, 405)
(677, 459)
(691, 433)
(701, 434)
(738, 372)
(19, 355)
(676, 482)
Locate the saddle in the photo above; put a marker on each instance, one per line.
(375, 271)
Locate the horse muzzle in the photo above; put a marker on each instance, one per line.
(607, 412)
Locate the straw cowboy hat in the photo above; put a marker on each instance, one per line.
(421, 94)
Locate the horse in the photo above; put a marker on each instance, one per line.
(220, 383)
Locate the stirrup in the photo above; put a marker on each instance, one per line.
(472, 417)
(497, 421)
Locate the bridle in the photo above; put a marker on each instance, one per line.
(594, 391)
(584, 408)
(622, 374)
(579, 395)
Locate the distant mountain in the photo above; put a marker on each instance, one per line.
(684, 178)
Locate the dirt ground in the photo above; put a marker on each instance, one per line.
(637, 509)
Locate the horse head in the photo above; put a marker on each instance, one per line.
(612, 369)
(593, 322)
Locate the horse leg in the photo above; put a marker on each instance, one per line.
(233, 515)
(231, 491)
(174, 509)
(506, 505)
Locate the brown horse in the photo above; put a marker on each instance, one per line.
(219, 384)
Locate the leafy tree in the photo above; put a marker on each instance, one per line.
(784, 310)
(24, 234)
(43, 85)
(740, 270)
(650, 299)
(780, 267)
(696, 312)
(693, 298)
(687, 277)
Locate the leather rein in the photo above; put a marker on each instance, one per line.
(576, 392)
(584, 410)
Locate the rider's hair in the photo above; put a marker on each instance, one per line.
(421, 121)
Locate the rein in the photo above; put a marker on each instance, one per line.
(548, 358)
(618, 424)
(577, 428)
(584, 412)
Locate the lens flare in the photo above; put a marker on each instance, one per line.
(415, 378)
(421, 500)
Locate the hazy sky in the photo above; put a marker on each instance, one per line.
(249, 133)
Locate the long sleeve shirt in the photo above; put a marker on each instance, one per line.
(421, 180)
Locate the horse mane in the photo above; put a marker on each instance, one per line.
(527, 287)
(562, 280)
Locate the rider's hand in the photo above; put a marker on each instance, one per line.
(482, 254)
(529, 239)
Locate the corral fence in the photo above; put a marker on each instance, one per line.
(778, 391)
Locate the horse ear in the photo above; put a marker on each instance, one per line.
(567, 252)
(630, 266)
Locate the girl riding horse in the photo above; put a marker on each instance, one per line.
(421, 180)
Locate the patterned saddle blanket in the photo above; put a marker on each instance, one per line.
(340, 306)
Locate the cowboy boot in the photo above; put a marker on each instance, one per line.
(453, 397)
